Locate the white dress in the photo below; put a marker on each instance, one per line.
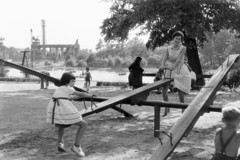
(64, 111)
(181, 74)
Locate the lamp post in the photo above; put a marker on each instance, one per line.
(2, 46)
(31, 50)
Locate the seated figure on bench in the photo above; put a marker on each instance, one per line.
(135, 76)
(227, 139)
(180, 72)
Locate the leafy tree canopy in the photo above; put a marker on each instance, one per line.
(161, 18)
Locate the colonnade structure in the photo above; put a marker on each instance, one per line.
(52, 50)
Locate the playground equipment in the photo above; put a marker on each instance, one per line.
(51, 79)
(35, 73)
(194, 111)
(135, 96)
(201, 103)
(183, 126)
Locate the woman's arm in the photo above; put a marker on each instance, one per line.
(164, 60)
(81, 94)
(180, 57)
(131, 66)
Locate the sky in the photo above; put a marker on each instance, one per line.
(66, 21)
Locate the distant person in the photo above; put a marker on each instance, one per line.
(136, 71)
(179, 71)
(47, 82)
(88, 78)
(227, 139)
(159, 77)
(63, 113)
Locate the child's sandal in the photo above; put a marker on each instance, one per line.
(61, 147)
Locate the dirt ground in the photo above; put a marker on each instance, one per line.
(25, 135)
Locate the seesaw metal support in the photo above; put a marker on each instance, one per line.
(157, 110)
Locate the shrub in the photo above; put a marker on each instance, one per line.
(47, 63)
(111, 62)
(91, 59)
(81, 63)
(215, 66)
(83, 55)
(154, 61)
(126, 64)
(69, 63)
(144, 62)
(234, 79)
(67, 58)
(118, 61)
(3, 71)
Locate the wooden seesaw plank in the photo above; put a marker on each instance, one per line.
(123, 97)
(152, 103)
(194, 111)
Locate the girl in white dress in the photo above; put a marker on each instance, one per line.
(63, 113)
(180, 73)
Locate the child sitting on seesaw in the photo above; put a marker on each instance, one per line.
(227, 139)
(63, 114)
(159, 77)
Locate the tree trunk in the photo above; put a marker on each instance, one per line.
(193, 58)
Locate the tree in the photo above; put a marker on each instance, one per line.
(81, 63)
(234, 46)
(218, 47)
(3, 71)
(91, 59)
(144, 62)
(67, 58)
(99, 45)
(70, 63)
(118, 62)
(161, 18)
(83, 54)
(154, 61)
(111, 62)
(136, 47)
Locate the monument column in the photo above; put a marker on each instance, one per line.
(61, 52)
(50, 51)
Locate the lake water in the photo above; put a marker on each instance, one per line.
(105, 76)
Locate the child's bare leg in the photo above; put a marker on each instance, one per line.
(165, 97)
(181, 97)
(60, 134)
(82, 127)
(89, 83)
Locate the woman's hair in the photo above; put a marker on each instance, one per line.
(135, 63)
(178, 33)
(66, 78)
(138, 60)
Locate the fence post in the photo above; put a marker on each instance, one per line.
(42, 84)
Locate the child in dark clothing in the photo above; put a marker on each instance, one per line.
(158, 77)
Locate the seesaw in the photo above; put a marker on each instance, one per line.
(201, 103)
(35, 73)
(51, 79)
(135, 96)
(194, 111)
